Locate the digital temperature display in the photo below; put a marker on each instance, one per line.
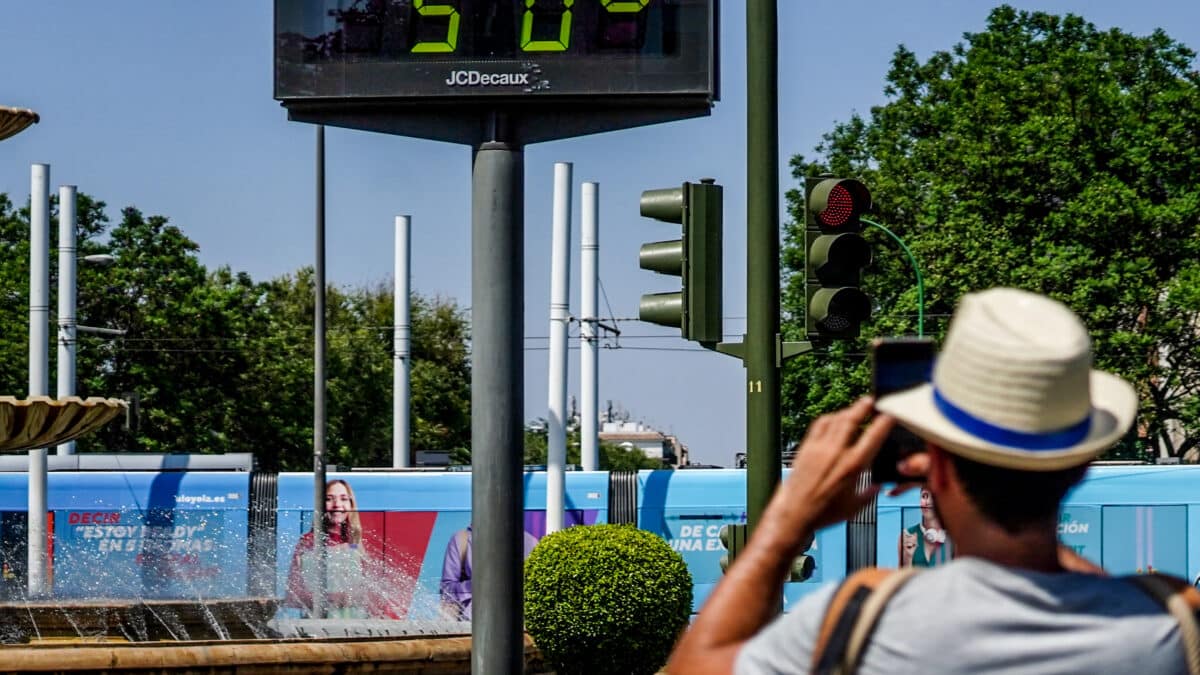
(435, 49)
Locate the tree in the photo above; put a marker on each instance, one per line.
(358, 374)
(1041, 153)
(14, 281)
(183, 353)
(221, 363)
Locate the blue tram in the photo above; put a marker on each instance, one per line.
(212, 534)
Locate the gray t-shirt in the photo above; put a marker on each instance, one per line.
(972, 616)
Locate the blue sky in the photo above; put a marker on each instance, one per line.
(168, 106)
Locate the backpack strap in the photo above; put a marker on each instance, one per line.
(1181, 600)
(851, 617)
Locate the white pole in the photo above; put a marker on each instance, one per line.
(39, 280)
(589, 393)
(38, 555)
(560, 317)
(67, 289)
(401, 346)
(39, 347)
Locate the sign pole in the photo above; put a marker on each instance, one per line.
(763, 349)
(497, 411)
(319, 418)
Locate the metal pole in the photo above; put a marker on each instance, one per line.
(589, 370)
(67, 344)
(763, 464)
(560, 317)
(39, 280)
(401, 346)
(37, 523)
(39, 327)
(497, 393)
(318, 595)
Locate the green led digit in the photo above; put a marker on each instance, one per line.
(624, 6)
(528, 44)
(451, 42)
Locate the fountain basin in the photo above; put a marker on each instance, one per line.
(444, 655)
(136, 620)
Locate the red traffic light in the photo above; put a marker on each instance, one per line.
(837, 203)
(839, 208)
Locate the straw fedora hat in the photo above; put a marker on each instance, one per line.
(1013, 387)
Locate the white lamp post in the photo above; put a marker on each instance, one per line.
(68, 291)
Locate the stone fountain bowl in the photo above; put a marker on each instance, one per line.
(41, 421)
(105, 620)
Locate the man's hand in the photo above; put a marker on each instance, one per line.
(823, 486)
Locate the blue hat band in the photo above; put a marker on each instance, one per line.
(1022, 440)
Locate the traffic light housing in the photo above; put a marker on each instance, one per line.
(733, 540)
(836, 256)
(695, 258)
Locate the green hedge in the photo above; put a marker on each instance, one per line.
(603, 599)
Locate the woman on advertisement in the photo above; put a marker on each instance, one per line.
(925, 544)
(349, 583)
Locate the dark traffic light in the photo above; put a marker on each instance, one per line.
(733, 540)
(836, 256)
(696, 257)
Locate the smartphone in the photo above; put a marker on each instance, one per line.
(898, 364)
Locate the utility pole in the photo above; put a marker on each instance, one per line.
(402, 347)
(319, 418)
(763, 348)
(39, 357)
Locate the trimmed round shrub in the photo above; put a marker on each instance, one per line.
(603, 599)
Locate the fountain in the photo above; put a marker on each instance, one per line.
(39, 422)
(111, 622)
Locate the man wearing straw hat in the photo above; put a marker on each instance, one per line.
(1012, 417)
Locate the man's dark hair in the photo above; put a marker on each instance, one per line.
(1015, 499)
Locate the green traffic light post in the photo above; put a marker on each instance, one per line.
(761, 350)
(836, 255)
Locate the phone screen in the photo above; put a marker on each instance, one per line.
(898, 364)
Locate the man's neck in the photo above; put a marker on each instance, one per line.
(1034, 548)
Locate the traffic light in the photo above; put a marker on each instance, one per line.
(836, 256)
(733, 540)
(696, 258)
(802, 568)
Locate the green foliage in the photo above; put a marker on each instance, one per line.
(222, 363)
(1040, 153)
(603, 599)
